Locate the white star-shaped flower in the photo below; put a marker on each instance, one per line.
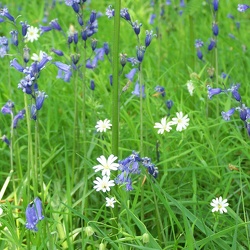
(106, 165)
(163, 126)
(36, 57)
(110, 202)
(103, 184)
(32, 34)
(102, 126)
(190, 87)
(219, 205)
(181, 121)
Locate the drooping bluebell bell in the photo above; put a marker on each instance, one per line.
(64, 71)
(75, 37)
(140, 51)
(169, 104)
(26, 54)
(149, 37)
(44, 29)
(8, 107)
(76, 6)
(182, 3)
(34, 214)
(168, 2)
(92, 85)
(57, 52)
(139, 90)
(125, 14)
(91, 64)
(33, 112)
(106, 48)
(16, 65)
(133, 60)
(14, 37)
(55, 25)
(198, 43)
(199, 54)
(131, 74)
(19, 116)
(213, 91)
(40, 97)
(123, 59)
(4, 46)
(243, 7)
(92, 28)
(110, 12)
(234, 90)
(215, 5)
(93, 43)
(224, 75)
(152, 169)
(160, 90)
(212, 44)
(152, 18)
(137, 27)
(243, 112)
(25, 27)
(5, 139)
(80, 20)
(92, 17)
(5, 12)
(215, 29)
(227, 115)
(43, 62)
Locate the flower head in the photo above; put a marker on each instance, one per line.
(102, 126)
(243, 7)
(32, 34)
(103, 184)
(226, 115)
(110, 202)
(181, 121)
(163, 125)
(106, 165)
(37, 57)
(190, 87)
(219, 205)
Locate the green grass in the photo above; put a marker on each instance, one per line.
(207, 160)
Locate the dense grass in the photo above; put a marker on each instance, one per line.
(53, 157)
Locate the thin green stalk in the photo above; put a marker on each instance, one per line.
(115, 96)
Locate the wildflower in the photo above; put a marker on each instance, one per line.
(198, 43)
(190, 87)
(123, 59)
(106, 164)
(7, 108)
(14, 37)
(139, 90)
(131, 74)
(182, 4)
(37, 57)
(243, 7)
(5, 12)
(133, 61)
(226, 115)
(26, 54)
(137, 27)
(103, 184)
(152, 18)
(160, 91)
(89, 231)
(169, 104)
(16, 65)
(199, 54)
(32, 34)
(149, 37)
(219, 205)
(40, 99)
(5, 139)
(34, 214)
(102, 126)
(92, 17)
(211, 44)
(44, 29)
(181, 121)
(216, 4)
(163, 125)
(124, 14)
(25, 27)
(92, 85)
(140, 51)
(4, 48)
(215, 29)
(110, 202)
(212, 92)
(64, 71)
(55, 25)
(152, 169)
(106, 48)
(18, 117)
(110, 12)
(93, 44)
(57, 52)
(234, 91)
(168, 2)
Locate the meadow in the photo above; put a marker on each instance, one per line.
(125, 131)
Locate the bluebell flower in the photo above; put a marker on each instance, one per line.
(8, 107)
(44, 29)
(212, 92)
(5, 12)
(152, 18)
(33, 112)
(75, 6)
(199, 54)
(215, 29)
(169, 104)
(25, 27)
(137, 91)
(234, 90)
(4, 46)
(93, 44)
(5, 139)
(84, 34)
(70, 2)
(230, 16)
(64, 71)
(149, 37)
(110, 12)
(57, 52)
(216, 5)
(243, 7)
(43, 62)
(224, 75)
(237, 25)
(92, 64)
(131, 74)
(75, 37)
(14, 37)
(243, 112)
(92, 17)
(125, 14)
(111, 79)
(26, 54)
(160, 90)
(106, 48)
(226, 115)
(16, 65)
(40, 97)
(140, 51)
(34, 214)
(92, 85)
(168, 2)
(212, 44)
(133, 61)
(92, 28)
(137, 27)
(248, 127)
(18, 117)
(55, 25)
(80, 20)
(198, 43)
(182, 4)
(152, 169)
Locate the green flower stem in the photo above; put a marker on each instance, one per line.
(115, 97)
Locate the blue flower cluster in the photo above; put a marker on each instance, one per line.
(131, 166)
(34, 214)
(244, 111)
